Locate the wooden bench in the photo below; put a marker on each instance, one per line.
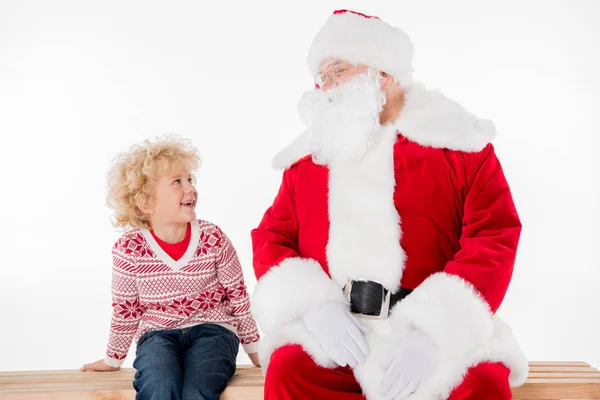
(560, 381)
(247, 384)
(547, 381)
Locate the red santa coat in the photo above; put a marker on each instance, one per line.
(427, 208)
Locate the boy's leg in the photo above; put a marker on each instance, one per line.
(158, 363)
(209, 361)
(293, 375)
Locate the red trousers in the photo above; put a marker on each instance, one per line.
(293, 375)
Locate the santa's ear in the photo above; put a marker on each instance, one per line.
(387, 79)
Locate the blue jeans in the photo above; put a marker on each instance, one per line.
(185, 364)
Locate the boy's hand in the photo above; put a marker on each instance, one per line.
(254, 359)
(99, 366)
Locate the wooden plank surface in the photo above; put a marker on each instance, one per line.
(546, 381)
(247, 384)
(560, 380)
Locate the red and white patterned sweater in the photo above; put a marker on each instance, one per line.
(152, 291)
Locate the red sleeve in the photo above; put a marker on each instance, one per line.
(280, 295)
(490, 230)
(276, 237)
(456, 307)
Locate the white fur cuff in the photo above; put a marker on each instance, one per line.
(451, 311)
(291, 289)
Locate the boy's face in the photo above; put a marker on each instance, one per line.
(175, 198)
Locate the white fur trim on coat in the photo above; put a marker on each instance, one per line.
(366, 41)
(364, 225)
(293, 332)
(282, 296)
(299, 148)
(501, 347)
(428, 118)
(433, 120)
(454, 315)
(383, 335)
(291, 289)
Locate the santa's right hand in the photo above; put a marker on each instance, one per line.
(339, 332)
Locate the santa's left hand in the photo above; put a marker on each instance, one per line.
(410, 362)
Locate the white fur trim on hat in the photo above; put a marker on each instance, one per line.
(361, 39)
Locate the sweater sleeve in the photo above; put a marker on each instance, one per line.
(127, 311)
(231, 278)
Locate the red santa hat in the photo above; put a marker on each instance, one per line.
(363, 39)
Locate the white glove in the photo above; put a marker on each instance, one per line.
(413, 360)
(339, 333)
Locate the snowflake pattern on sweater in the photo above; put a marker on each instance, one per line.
(151, 291)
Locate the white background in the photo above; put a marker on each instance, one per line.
(82, 81)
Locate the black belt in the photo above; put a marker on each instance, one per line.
(371, 299)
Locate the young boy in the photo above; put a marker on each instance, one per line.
(177, 284)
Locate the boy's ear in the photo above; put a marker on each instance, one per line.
(144, 207)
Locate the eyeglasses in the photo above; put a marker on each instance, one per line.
(332, 72)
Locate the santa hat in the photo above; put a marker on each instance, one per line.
(363, 39)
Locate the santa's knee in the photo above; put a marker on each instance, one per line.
(287, 363)
(484, 381)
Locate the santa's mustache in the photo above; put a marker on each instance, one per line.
(341, 121)
(360, 90)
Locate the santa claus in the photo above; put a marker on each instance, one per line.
(391, 242)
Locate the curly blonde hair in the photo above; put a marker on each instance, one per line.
(134, 174)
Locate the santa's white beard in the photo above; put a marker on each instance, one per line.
(342, 122)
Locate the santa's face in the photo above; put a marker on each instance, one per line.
(342, 116)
